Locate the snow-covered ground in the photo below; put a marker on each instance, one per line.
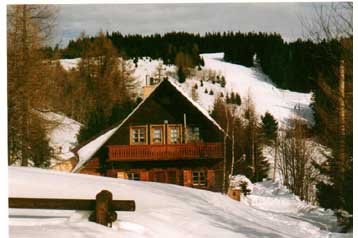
(69, 64)
(62, 133)
(162, 210)
(266, 97)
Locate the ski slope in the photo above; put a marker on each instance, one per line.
(266, 96)
(243, 80)
(162, 210)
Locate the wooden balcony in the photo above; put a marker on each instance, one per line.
(166, 152)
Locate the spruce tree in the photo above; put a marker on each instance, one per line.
(237, 99)
(269, 128)
(181, 74)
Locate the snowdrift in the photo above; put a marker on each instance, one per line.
(163, 210)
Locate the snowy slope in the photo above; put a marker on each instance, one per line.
(162, 210)
(62, 132)
(69, 64)
(266, 96)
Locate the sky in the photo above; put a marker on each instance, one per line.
(283, 18)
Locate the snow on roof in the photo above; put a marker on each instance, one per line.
(87, 151)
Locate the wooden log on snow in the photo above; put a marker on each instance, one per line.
(68, 204)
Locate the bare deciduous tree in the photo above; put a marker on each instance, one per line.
(28, 28)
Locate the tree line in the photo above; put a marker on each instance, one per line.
(294, 65)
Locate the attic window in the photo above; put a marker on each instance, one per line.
(193, 134)
(174, 136)
(138, 135)
(157, 134)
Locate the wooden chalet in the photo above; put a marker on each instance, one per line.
(167, 138)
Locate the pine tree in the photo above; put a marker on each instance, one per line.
(237, 99)
(222, 82)
(181, 74)
(269, 127)
(258, 164)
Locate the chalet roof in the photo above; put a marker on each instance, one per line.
(86, 151)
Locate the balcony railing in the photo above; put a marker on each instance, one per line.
(166, 152)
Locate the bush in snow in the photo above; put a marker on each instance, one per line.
(241, 182)
(244, 188)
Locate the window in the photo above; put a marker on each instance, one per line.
(199, 178)
(157, 135)
(193, 134)
(133, 176)
(139, 135)
(174, 135)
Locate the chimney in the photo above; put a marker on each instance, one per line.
(149, 86)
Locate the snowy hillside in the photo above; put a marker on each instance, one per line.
(62, 132)
(162, 210)
(281, 103)
(266, 96)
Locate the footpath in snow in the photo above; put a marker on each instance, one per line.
(162, 210)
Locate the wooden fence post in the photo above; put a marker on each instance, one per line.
(104, 214)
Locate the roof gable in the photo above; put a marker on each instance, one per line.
(85, 152)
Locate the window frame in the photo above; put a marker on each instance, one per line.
(131, 135)
(152, 128)
(180, 136)
(132, 176)
(191, 132)
(201, 177)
